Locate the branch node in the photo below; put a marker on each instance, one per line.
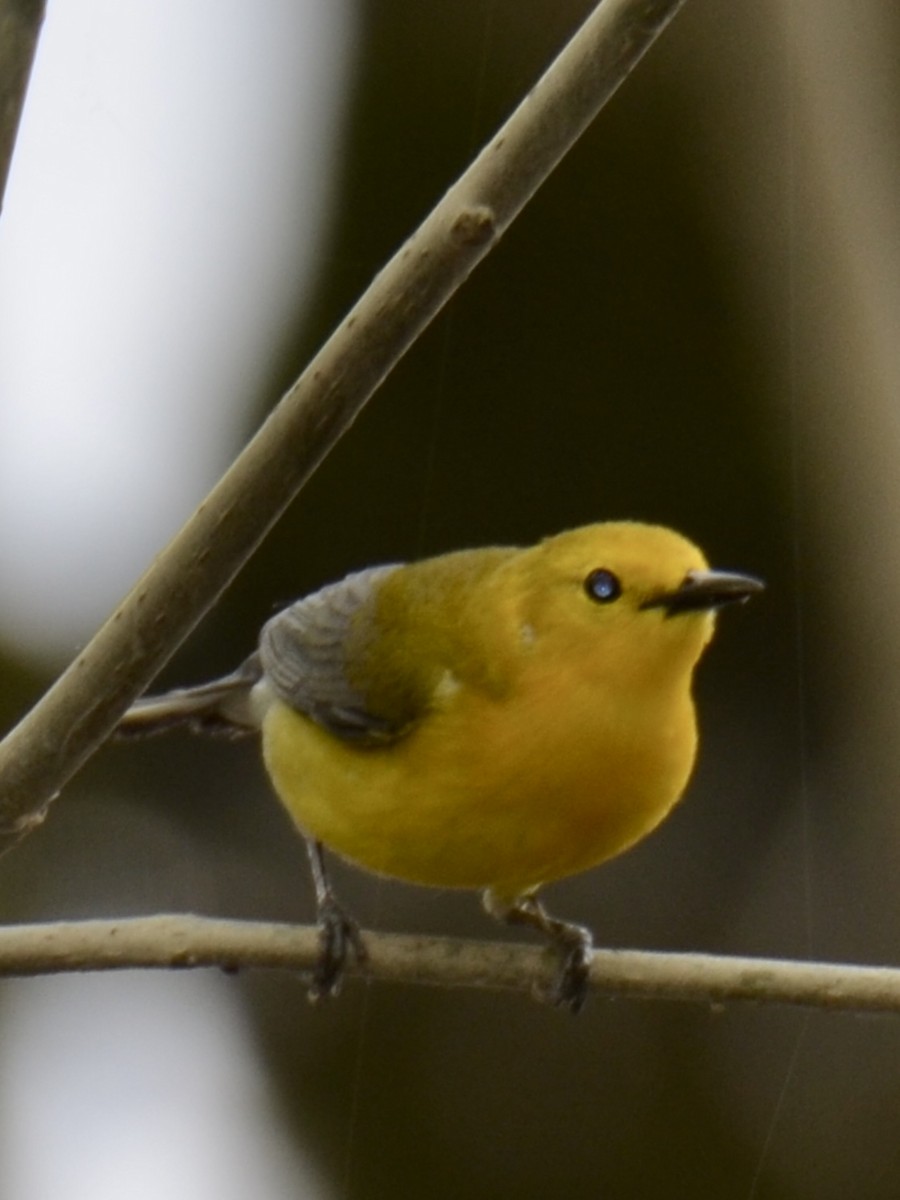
(476, 225)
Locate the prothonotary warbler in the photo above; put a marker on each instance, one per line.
(492, 719)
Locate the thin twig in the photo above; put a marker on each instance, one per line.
(189, 941)
(20, 24)
(79, 711)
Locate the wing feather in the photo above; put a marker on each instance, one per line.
(304, 653)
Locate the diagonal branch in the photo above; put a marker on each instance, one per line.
(51, 743)
(180, 941)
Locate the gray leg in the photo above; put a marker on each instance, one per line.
(339, 934)
(573, 943)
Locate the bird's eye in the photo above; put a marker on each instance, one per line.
(601, 585)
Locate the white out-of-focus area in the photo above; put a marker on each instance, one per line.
(167, 198)
(142, 1086)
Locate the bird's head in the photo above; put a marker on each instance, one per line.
(639, 596)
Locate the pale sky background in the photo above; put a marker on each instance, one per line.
(140, 1086)
(168, 153)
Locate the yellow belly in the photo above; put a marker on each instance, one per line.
(488, 793)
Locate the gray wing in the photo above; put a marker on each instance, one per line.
(303, 651)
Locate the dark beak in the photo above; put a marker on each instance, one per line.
(702, 591)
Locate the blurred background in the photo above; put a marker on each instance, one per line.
(694, 322)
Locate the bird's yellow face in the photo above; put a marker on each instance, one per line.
(634, 599)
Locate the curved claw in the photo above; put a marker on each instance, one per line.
(572, 943)
(570, 987)
(339, 937)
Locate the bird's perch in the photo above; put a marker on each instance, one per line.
(177, 941)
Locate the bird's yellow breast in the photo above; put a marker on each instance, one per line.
(563, 771)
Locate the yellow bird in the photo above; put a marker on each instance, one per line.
(493, 719)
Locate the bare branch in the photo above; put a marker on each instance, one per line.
(20, 24)
(191, 941)
(60, 733)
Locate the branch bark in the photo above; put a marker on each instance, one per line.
(51, 743)
(180, 941)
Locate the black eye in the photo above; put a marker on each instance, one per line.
(603, 586)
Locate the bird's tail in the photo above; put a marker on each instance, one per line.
(224, 706)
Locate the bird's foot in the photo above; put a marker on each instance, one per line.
(572, 943)
(339, 935)
(339, 938)
(569, 988)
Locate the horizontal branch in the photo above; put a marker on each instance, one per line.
(43, 752)
(191, 941)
